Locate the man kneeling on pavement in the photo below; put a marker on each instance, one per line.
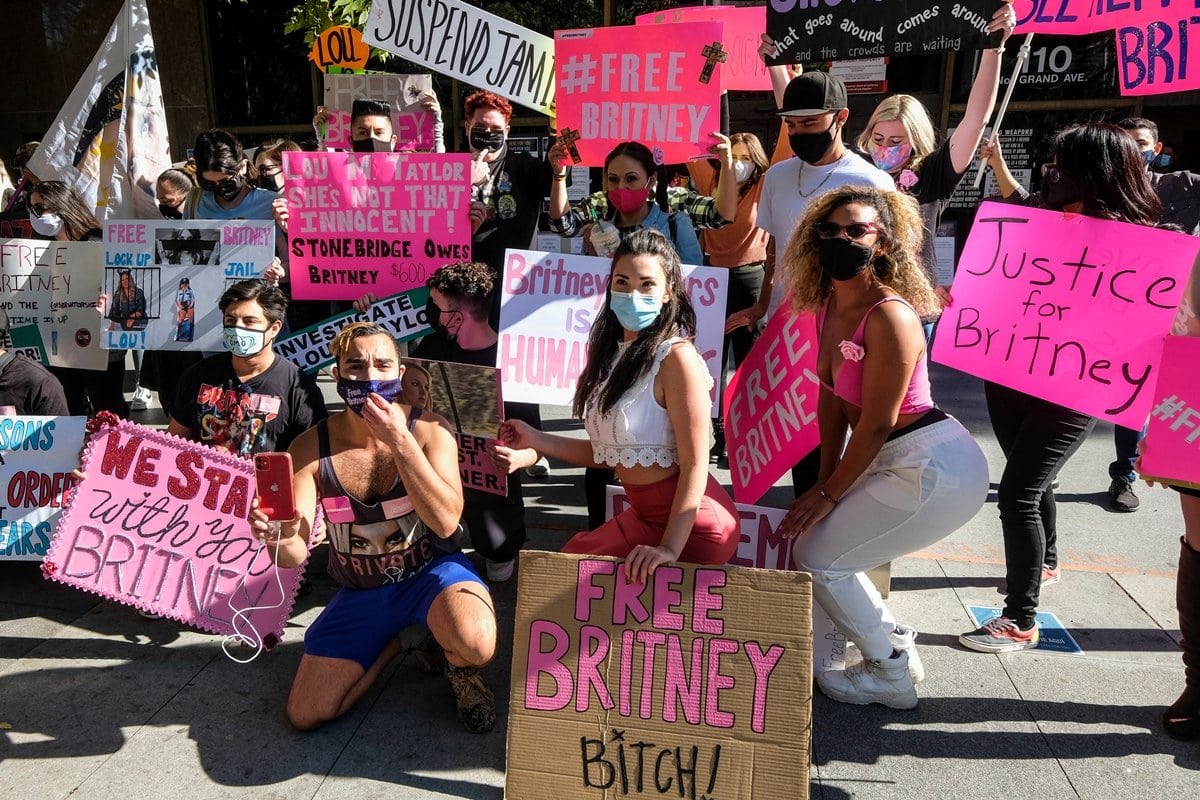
(388, 483)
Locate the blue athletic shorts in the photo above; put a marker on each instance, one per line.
(359, 623)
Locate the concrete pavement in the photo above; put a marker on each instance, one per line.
(98, 702)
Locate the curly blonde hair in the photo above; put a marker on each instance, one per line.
(897, 261)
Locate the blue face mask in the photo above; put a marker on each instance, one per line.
(1162, 161)
(355, 392)
(243, 342)
(635, 311)
(1147, 157)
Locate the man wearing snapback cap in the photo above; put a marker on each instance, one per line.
(815, 112)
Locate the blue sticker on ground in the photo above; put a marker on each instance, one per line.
(1052, 635)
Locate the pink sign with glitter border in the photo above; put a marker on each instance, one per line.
(159, 524)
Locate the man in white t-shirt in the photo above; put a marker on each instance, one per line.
(815, 112)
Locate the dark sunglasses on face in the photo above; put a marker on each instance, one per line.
(855, 230)
(226, 185)
(1051, 173)
(41, 209)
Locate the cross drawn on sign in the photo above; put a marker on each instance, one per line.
(568, 138)
(712, 54)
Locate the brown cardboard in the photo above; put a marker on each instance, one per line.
(564, 744)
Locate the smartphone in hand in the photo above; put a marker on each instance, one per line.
(273, 478)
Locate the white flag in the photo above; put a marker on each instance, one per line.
(110, 139)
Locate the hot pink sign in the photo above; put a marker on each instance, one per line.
(1172, 447)
(658, 85)
(1065, 307)
(771, 405)
(1075, 17)
(1153, 58)
(742, 69)
(159, 523)
(374, 222)
(476, 467)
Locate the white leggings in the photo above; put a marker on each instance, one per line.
(920, 488)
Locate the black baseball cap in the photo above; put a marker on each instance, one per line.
(813, 93)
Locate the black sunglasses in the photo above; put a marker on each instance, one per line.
(225, 185)
(855, 230)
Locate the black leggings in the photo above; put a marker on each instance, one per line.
(1037, 437)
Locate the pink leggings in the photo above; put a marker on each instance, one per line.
(714, 535)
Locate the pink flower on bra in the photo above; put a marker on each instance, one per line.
(908, 179)
(851, 351)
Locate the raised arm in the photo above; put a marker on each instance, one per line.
(982, 100)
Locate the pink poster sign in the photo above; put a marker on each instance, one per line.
(1172, 447)
(476, 467)
(1064, 307)
(159, 524)
(658, 85)
(374, 222)
(771, 405)
(1154, 57)
(412, 123)
(1078, 17)
(742, 68)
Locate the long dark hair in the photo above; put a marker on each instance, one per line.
(1106, 163)
(641, 154)
(78, 219)
(220, 151)
(677, 318)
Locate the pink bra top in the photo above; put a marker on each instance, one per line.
(847, 383)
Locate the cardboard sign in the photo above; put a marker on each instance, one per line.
(698, 682)
(743, 25)
(403, 315)
(374, 222)
(37, 455)
(1153, 57)
(466, 398)
(771, 404)
(647, 83)
(548, 303)
(1077, 17)
(1067, 308)
(810, 31)
(468, 43)
(341, 47)
(164, 278)
(53, 286)
(412, 124)
(159, 524)
(1171, 451)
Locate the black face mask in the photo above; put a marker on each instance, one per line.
(437, 320)
(169, 212)
(483, 139)
(1059, 188)
(370, 146)
(842, 259)
(812, 147)
(268, 182)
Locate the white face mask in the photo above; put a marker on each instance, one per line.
(46, 224)
(742, 170)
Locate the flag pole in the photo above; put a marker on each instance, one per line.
(1022, 54)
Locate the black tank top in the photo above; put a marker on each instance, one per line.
(372, 544)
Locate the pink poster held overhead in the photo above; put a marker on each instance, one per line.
(1067, 308)
(655, 84)
(743, 25)
(1159, 57)
(1077, 17)
(159, 524)
(771, 405)
(1172, 448)
(374, 222)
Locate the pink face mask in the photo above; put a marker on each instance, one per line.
(627, 201)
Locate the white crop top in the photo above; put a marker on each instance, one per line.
(636, 431)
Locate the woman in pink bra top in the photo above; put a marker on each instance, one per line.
(908, 475)
(644, 399)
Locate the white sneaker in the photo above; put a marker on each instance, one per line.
(885, 681)
(500, 571)
(141, 399)
(539, 470)
(902, 638)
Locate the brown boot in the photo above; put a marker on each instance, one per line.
(1182, 719)
(476, 703)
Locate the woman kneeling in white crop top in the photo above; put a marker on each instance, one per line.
(644, 399)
